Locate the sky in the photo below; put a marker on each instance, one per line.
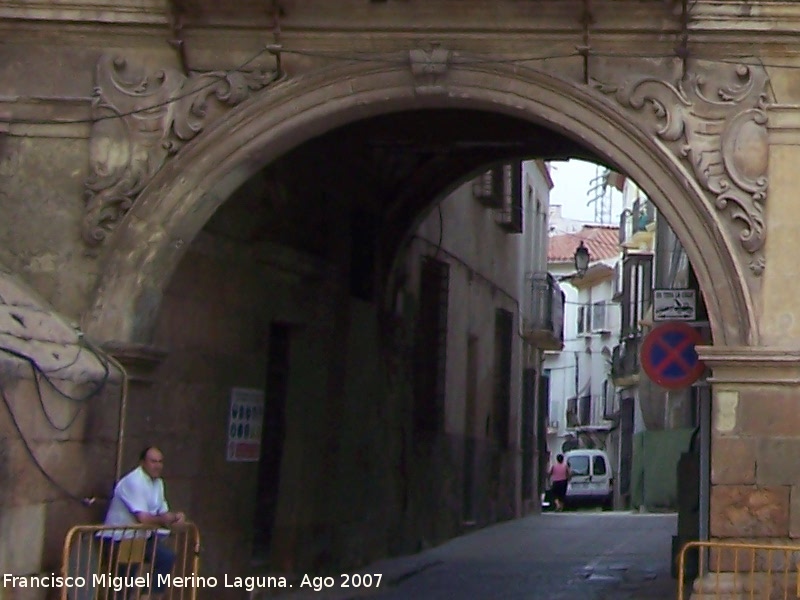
(572, 182)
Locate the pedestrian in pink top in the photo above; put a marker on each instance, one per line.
(559, 477)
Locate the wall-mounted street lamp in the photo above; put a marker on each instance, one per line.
(581, 258)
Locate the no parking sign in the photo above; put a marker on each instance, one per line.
(669, 357)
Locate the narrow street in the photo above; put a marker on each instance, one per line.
(553, 556)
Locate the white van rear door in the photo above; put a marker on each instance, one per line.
(580, 467)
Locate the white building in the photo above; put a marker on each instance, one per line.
(581, 394)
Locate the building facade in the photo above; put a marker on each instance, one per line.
(469, 272)
(656, 285)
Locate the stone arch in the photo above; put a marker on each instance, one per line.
(150, 241)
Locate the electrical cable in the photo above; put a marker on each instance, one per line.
(38, 370)
(86, 501)
(38, 373)
(383, 59)
(149, 108)
(123, 405)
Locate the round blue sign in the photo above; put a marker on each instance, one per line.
(669, 357)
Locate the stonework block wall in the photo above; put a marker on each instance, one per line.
(41, 206)
(754, 474)
(35, 513)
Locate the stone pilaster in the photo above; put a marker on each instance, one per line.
(755, 483)
(779, 322)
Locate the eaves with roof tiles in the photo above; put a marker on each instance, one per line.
(602, 241)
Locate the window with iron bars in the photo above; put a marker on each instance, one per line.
(509, 215)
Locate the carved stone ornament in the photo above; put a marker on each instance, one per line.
(141, 121)
(429, 68)
(715, 120)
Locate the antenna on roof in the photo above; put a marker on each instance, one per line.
(600, 196)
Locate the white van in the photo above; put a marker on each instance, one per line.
(591, 479)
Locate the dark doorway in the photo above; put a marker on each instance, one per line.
(470, 433)
(272, 437)
(528, 431)
(542, 418)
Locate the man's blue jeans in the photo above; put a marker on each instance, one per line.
(157, 553)
(161, 559)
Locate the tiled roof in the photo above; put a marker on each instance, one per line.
(601, 240)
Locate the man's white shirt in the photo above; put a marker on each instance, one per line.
(134, 493)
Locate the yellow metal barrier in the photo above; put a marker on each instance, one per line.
(741, 570)
(116, 563)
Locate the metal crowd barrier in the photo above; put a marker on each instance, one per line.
(114, 563)
(740, 570)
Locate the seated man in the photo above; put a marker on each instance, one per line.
(139, 499)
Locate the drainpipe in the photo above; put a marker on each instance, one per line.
(123, 411)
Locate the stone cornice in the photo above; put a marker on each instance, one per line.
(506, 28)
(139, 360)
(784, 124)
(99, 11)
(771, 16)
(52, 116)
(746, 364)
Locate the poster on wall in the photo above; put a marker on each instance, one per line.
(245, 419)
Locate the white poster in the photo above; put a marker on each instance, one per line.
(245, 419)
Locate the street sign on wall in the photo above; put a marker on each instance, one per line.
(669, 357)
(675, 305)
(245, 418)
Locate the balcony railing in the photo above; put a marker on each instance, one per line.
(544, 324)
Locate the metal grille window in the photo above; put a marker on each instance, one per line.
(431, 346)
(547, 304)
(504, 331)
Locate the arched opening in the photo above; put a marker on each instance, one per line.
(315, 137)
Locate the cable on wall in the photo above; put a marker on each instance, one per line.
(39, 374)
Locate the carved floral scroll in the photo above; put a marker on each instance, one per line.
(140, 121)
(714, 120)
